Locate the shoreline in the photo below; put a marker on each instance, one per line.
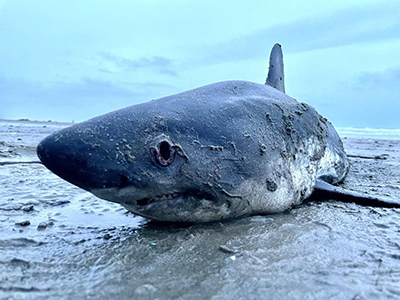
(344, 132)
(37, 122)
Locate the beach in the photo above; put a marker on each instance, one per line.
(60, 242)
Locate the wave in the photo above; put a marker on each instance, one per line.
(369, 133)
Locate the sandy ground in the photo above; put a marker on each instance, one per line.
(59, 242)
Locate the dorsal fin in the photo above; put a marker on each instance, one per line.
(275, 76)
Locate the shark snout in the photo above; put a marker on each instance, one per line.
(78, 162)
(64, 160)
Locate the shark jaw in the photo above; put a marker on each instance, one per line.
(183, 206)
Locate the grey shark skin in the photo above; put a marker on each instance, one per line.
(220, 151)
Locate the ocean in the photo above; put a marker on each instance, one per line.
(369, 133)
(344, 132)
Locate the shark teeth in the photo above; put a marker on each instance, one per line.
(190, 195)
(147, 201)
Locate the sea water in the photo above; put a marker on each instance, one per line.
(369, 133)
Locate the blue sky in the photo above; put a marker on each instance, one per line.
(73, 60)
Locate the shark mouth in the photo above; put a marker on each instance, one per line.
(174, 196)
(147, 201)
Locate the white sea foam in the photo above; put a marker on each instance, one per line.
(369, 133)
(27, 123)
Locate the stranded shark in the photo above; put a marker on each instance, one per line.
(224, 150)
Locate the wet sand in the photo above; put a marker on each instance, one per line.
(59, 242)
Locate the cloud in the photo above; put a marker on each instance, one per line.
(370, 99)
(82, 59)
(83, 87)
(80, 99)
(346, 27)
(113, 63)
(388, 79)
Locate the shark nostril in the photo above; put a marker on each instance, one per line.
(123, 181)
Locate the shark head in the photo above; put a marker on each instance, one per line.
(168, 159)
(207, 154)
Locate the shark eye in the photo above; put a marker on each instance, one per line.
(165, 150)
(164, 154)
